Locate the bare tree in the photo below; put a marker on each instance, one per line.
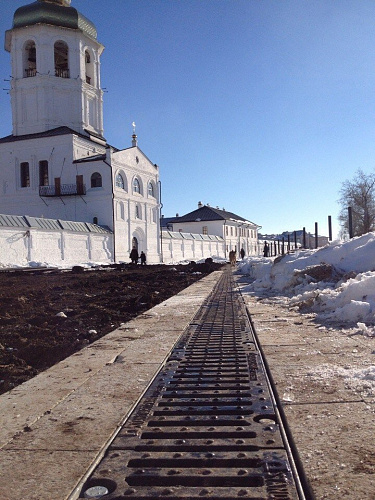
(358, 193)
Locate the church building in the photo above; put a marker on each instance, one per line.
(57, 164)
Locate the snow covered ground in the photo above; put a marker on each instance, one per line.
(336, 284)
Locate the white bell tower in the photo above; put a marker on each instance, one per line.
(55, 69)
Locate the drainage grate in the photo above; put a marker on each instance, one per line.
(206, 427)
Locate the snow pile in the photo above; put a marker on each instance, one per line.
(361, 380)
(337, 282)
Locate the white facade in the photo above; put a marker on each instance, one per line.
(57, 164)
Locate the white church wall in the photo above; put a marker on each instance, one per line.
(58, 151)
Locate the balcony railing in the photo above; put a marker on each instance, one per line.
(30, 72)
(62, 73)
(62, 190)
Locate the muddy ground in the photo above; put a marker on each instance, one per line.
(47, 316)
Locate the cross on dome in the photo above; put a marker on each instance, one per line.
(65, 3)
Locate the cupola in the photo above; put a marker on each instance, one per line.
(53, 12)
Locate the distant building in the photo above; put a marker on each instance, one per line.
(237, 233)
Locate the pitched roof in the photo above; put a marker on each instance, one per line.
(91, 158)
(38, 135)
(207, 213)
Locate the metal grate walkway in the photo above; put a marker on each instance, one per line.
(207, 426)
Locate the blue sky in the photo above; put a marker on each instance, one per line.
(263, 107)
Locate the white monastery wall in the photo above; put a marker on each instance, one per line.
(187, 246)
(22, 246)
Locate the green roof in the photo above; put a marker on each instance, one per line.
(57, 14)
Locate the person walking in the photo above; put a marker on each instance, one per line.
(143, 258)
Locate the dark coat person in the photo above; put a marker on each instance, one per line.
(134, 256)
(266, 249)
(242, 253)
(143, 258)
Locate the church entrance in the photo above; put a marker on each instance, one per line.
(135, 243)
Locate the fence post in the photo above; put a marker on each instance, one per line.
(330, 228)
(304, 237)
(316, 235)
(295, 240)
(288, 243)
(350, 222)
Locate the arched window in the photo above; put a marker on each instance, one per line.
(96, 180)
(95, 220)
(151, 190)
(61, 59)
(136, 186)
(30, 59)
(43, 173)
(89, 68)
(120, 181)
(138, 212)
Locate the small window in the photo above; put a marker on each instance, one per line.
(138, 214)
(25, 174)
(89, 68)
(43, 173)
(120, 181)
(226, 230)
(231, 230)
(151, 190)
(96, 180)
(204, 230)
(95, 220)
(136, 186)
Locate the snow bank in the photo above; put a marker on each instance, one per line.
(340, 286)
(361, 380)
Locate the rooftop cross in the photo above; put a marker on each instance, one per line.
(65, 3)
